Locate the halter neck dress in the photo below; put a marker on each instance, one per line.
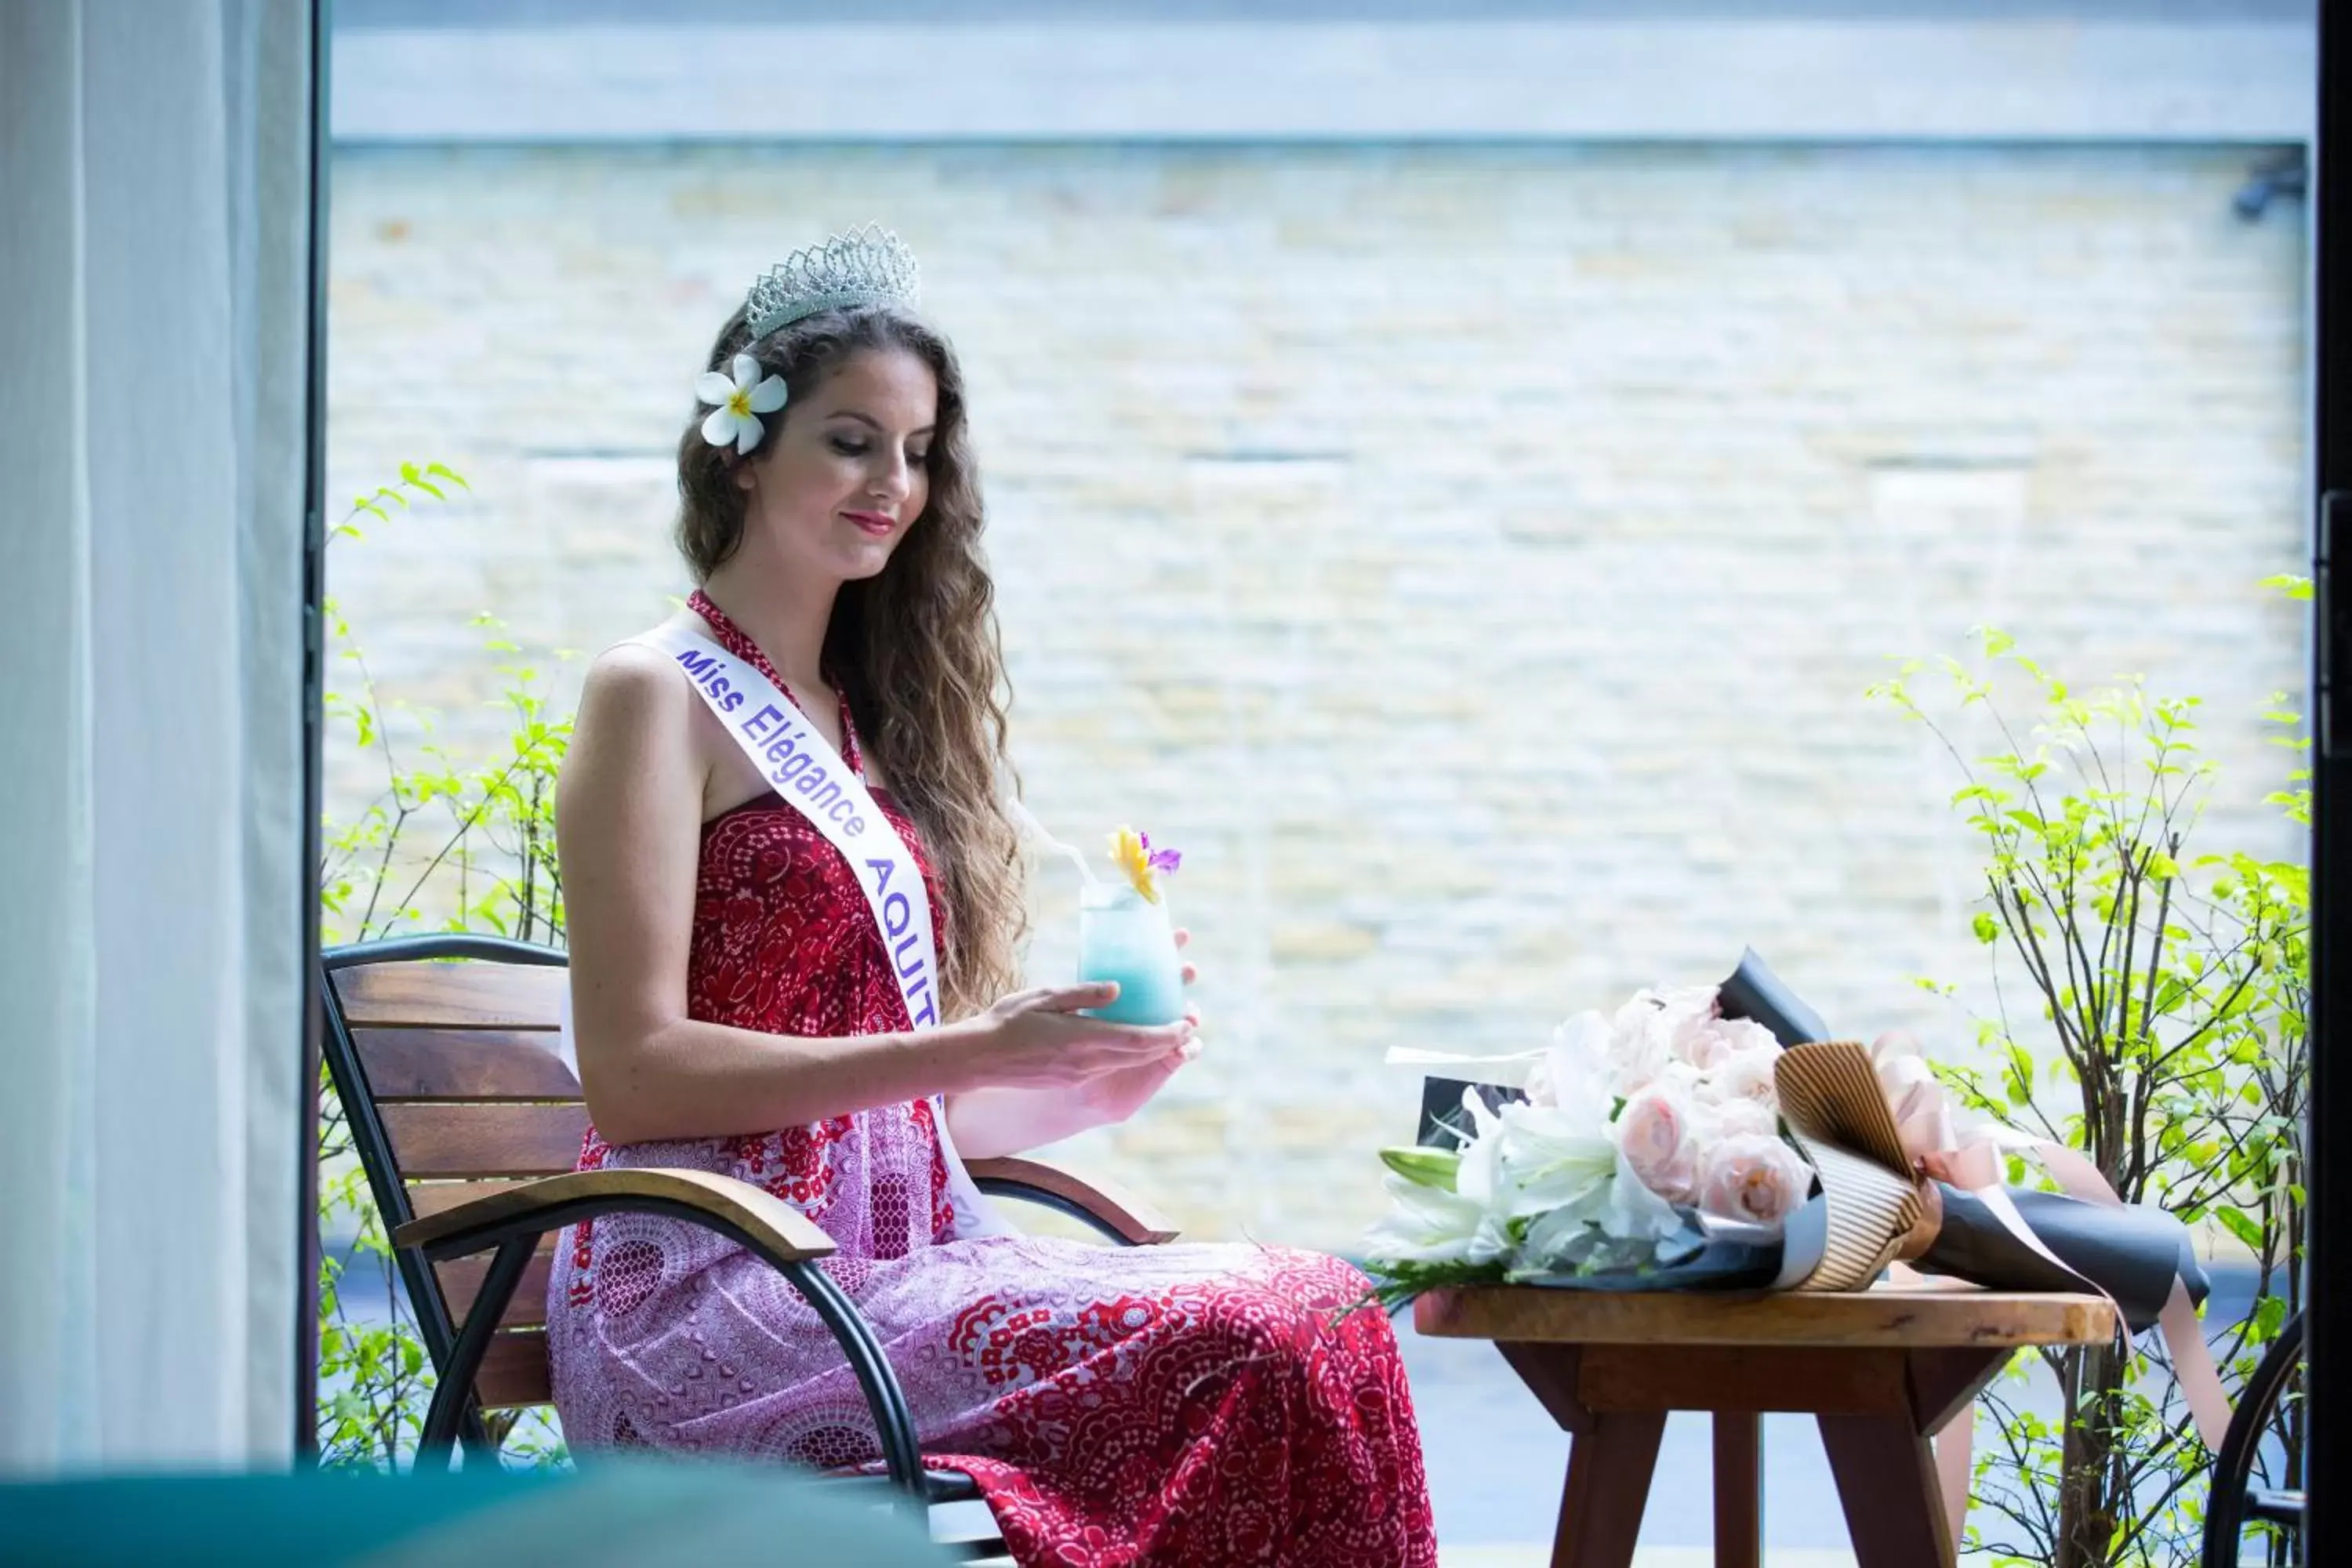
(1189, 1404)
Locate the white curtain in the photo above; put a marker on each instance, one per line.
(153, 303)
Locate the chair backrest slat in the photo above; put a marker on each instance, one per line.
(450, 1141)
(463, 1064)
(435, 1197)
(421, 993)
(514, 1370)
(461, 1281)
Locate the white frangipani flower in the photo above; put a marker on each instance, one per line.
(739, 403)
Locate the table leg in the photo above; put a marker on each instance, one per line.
(1738, 1489)
(1886, 1481)
(1608, 1468)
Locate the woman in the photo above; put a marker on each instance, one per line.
(736, 1007)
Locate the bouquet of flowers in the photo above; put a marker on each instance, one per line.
(1641, 1136)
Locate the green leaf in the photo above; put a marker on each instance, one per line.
(2293, 587)
(2242, 1226)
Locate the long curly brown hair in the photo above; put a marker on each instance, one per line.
(914, 649)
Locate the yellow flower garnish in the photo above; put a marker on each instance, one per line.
(1134, 858)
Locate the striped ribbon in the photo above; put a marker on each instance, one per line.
(1874, 1171)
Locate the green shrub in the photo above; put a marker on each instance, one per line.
(444, 847)
(2159, 1031)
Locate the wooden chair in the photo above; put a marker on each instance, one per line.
(468, 1125)
(2233, 1501)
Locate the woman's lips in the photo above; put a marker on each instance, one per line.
(873, 523)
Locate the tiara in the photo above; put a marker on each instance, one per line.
(869, 266)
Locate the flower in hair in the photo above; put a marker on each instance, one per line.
(739, 402)
(1142, 863)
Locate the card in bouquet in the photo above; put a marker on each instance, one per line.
(1443, 1120)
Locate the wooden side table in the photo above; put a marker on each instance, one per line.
(1881, 1370)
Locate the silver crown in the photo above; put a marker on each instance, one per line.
(869, 266)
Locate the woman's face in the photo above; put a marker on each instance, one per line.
(846, 475)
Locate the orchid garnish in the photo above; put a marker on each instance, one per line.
(739, 403)
(1141, 862)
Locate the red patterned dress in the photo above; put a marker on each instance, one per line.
(1195, 1405)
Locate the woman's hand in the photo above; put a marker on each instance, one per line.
(1117, 1095)
(1061, 1100)
(1039, 1039)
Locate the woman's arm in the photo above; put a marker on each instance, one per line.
(628, 822)
(628, 827)
(1000, 1120)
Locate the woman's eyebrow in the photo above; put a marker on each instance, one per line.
(870, 422)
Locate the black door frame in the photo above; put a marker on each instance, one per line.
(2328, 1533)
(314, 709)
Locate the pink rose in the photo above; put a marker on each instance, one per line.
(1649, 1031)
(1754, 1177)
(1745, 1073)
(1636, 1055)
(1656, 1133)
(1732, 1118)
(1702, 1043)
(1714, 1041)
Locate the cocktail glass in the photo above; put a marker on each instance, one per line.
(1126, 937)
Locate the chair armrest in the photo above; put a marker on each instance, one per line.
(513, 1219)
(783, 1233)
(1111, 1209)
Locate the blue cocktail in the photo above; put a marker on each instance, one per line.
(1126, 937)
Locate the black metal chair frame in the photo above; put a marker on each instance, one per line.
(457, 1350)
(2234, 1503)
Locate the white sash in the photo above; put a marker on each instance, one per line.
(811, 778)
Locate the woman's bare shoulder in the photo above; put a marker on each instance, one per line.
(634, 675)
(637, 720)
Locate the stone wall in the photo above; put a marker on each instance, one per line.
(1473, 558)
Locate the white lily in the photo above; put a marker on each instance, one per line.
(1553, 1157)
(1425, 1167)
(1480, 1181)
(741, 400)
(1620, 1210)
(1428, 1225)
(1635, 1212)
